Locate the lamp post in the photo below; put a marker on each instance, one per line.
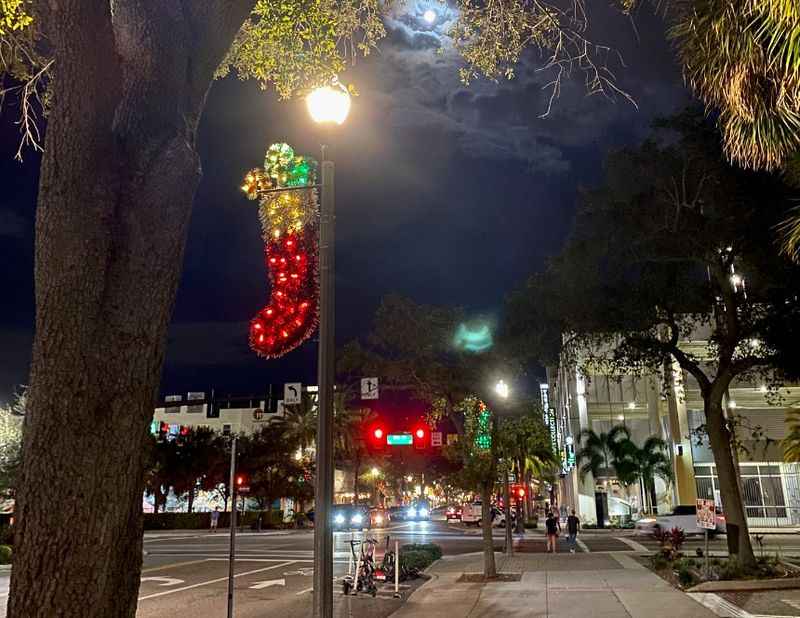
(327, 105)
(503, 391)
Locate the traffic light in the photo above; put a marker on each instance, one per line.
(521, 492)
(420, 437)
(377, 436)
(239, 480)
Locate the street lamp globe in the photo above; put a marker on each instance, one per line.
(501, 388)
(375, 472)
(329, 104)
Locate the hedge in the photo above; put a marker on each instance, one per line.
(5, 554)
(200, 521)
(419, 555)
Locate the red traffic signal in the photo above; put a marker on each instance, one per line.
(420, 436)
(377, 433)
(521, 492)
(239, 481)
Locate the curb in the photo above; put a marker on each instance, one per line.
(753, 585)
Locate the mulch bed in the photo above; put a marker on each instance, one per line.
(479, 578)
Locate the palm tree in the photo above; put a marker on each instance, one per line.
(349, 428)
(299, 425)
(643, 465)
(743, 59)
(599, 452)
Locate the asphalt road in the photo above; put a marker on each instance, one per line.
(185, 574)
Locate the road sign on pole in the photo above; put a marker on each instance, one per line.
(369, 388)
(292, 393)
(436, 438)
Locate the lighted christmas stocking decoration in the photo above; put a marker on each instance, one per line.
(289, 223)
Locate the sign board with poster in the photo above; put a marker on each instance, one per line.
(436, 438)
(706, 514)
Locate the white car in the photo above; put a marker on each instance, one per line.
(684, 517)
(471, 513)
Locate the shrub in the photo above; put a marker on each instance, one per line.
(677, 537)
(5, 554)
(731, 569)
(415, 559)
(659, 561)
(434, 550)
(686, 576)
(6, 535)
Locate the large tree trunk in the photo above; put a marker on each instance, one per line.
(489, 567)
(118, 177)
(728, 475)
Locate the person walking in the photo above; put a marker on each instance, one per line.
(573, 523)
(552, 527)
(214, 519)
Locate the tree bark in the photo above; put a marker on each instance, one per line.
(117, 181)
(489, 567)
(728, 475)
(357, 466)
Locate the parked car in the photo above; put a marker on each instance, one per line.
(397, 513)
(379, 517)
(684, 516)
(453, 512)
(439, 513)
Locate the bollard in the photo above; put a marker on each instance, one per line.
(396, 569)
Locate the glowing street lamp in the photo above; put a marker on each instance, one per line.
(375, 472)
(429, 16)
(329, 104)
(502, 389)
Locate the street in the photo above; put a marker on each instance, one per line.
(185, 572)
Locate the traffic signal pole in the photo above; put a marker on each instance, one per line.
(323, 490)
(507, 500)
(232, 552)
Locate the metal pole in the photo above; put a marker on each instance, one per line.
(507, 500)
(323, 491)
(232, 553)
(706, 554)
(397, 569)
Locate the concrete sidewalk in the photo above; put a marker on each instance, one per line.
(560, 585)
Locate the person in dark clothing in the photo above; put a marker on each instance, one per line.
(552, 527)
(573, 523)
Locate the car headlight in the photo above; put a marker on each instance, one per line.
(647, 521)
(339, 519)
(423, 512)
(357, 518)
(412, 512)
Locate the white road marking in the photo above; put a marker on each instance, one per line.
(163, 581)
(790, 603)
(268, 583)
(214, 581)
(304, 591)
(634, 545)
(582, 545)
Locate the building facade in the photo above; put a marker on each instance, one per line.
(668, 404)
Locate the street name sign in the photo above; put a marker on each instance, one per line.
(399, 439)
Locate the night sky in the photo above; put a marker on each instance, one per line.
(449, 195)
